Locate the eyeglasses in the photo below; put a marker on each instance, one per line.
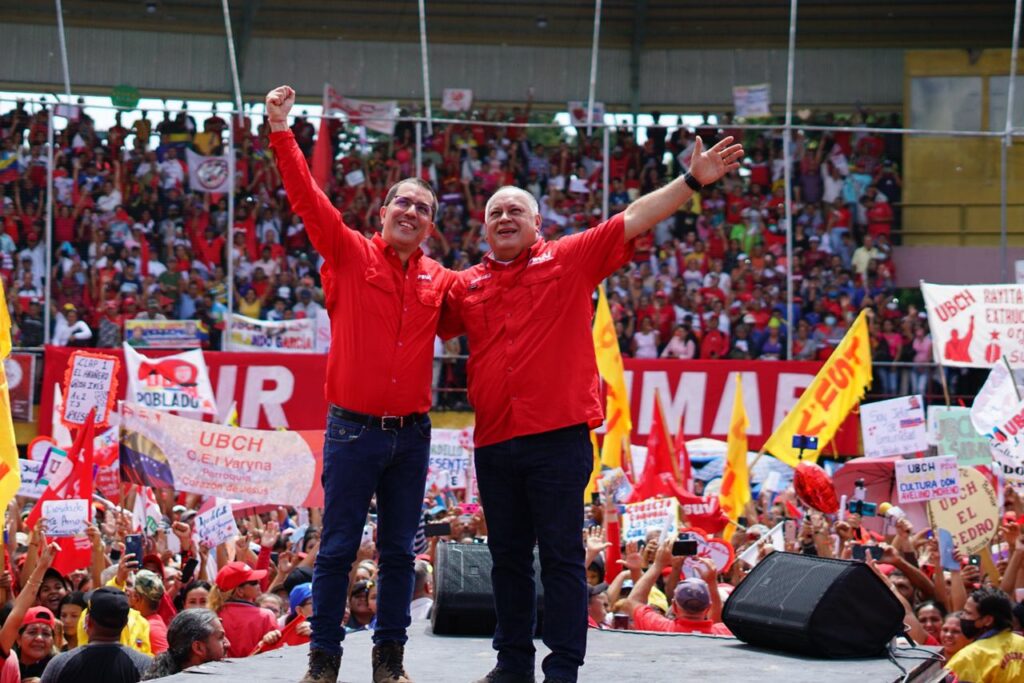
(404, 204)
(43, 633)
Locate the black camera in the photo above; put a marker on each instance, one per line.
(684, 547)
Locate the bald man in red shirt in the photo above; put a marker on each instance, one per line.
(384, 299)
(527, 312)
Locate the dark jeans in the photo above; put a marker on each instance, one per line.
(358, 462)
(532, 491)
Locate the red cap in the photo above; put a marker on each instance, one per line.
(234, 574)
(38, 615)
(152, 558)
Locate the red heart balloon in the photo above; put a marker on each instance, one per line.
(814, 488)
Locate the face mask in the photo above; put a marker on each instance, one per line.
(830, 320)
(969, 627)
(609, 619)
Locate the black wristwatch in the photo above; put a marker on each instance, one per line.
(692, 182)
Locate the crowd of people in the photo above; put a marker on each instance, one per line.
(132, 239)
(184, 603)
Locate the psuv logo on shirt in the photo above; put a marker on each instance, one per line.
(423, 276)
(477, 282)
(543, 258)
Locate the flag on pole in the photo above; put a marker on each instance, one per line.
(735, 492)
(660, 475)
(207, 174)
(686, 470)
(146, 516)
(10, 477)
(839, 386)
(615, 450)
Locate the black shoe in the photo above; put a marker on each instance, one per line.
(388, 666)
(500, 675)
(323, 667)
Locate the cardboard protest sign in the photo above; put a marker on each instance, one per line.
(776, 538)
(951, 432)
(90, 384)
(926, 478)
(66, 517)
(657, 513)
(972, 517)
(37, 474)
(752, 100)
(285, 336)
(894, 427)
(216, 525)
(451, 451)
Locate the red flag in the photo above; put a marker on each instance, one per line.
(322, 155)
(288, 637)
(704, 513)
(661, 460)
(684, 455)
(76, 552)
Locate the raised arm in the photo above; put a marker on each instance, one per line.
(329, 235)
(706, 167)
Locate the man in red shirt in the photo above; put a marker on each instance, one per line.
(535, 408)
(695, 602)
(384, 299)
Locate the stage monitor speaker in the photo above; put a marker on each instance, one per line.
(814, 606)
(463, 596)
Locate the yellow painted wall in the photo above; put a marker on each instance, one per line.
(954, 182)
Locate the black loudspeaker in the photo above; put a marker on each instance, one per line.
(463, 596)
(814, 606)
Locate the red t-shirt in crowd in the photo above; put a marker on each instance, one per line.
(383, 316)
(245, 624)
(157, 633)
(516, 314)
(645, 618)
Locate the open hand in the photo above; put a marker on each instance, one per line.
(708, 166)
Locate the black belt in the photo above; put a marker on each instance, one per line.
(378, 421)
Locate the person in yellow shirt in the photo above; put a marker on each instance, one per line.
(997, 653)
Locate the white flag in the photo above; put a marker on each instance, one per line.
(146, 516)
(378, 116)
(179, 382)
(578, 113)
(207, 174)
(996, 397)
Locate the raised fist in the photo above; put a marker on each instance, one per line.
(279, 103)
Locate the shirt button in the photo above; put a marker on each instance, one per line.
(508, 315)
(394, 380)
(399, 343)
(405, 309)
(509, 369)
(514, 398)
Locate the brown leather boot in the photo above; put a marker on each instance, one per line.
(323, 667)
(387, 663)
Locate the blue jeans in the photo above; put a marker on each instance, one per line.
(532, 491)
(358, 462)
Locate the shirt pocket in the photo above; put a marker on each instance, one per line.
(546, 288)
(380, 294)
(479, 311)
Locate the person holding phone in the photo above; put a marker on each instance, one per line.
(534, 409)
(384, 297)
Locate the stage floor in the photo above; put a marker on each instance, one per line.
(611, 656)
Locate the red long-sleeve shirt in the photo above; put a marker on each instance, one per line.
(383, 317)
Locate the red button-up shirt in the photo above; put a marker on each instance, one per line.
(531, 351)
(383, 316)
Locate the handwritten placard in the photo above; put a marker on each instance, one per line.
(216, 525)
(894, 427)
(657, 513)
(66, 517)
(90, 383)
(972, 517)
(923, 479)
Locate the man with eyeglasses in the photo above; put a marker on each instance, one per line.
(384, 299)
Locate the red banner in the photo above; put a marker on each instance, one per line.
(21, 371)
(287, 390)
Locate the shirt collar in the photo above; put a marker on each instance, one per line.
(492, 263)
(389, 251)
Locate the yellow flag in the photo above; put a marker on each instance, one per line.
(609, 366)
(10, 476)
(735, 492)
(595, 471)
(835, 390)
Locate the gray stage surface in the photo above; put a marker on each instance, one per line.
(611, 656)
